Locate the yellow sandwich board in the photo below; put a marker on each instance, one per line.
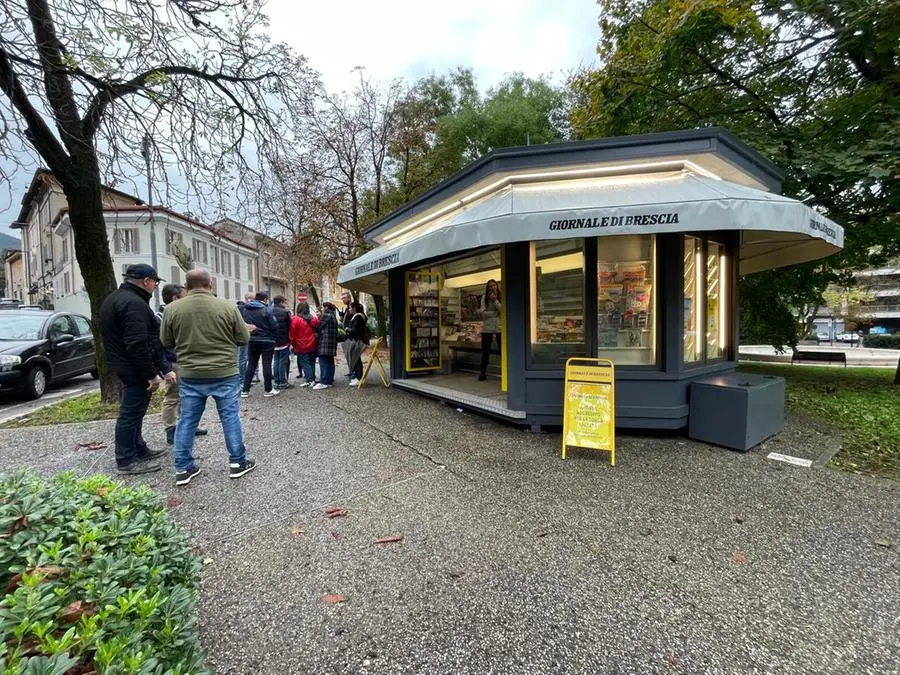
(589, 406)
(373, 358)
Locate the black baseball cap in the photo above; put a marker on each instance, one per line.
(142, 272)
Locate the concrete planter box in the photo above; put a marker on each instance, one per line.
(736, 410)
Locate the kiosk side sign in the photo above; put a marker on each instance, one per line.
(589, 409)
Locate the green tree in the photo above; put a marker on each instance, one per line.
(813, 85)
(84, 82)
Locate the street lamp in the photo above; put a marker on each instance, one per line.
(145, 151)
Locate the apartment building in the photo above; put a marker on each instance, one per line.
(882, 312)
(53, 277)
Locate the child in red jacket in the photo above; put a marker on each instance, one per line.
(302, 334)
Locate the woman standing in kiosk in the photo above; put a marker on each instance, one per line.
(490, 327)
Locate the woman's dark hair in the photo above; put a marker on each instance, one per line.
(262, 296)
(302, 308)
(357, 307)
(280, 300)
(171, 291)
(487, 288)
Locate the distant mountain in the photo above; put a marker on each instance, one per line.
(8, 241)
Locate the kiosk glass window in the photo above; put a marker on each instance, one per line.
(626, 317)
(706, 301)
(557, 301)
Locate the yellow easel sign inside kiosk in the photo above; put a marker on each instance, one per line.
(589, 406)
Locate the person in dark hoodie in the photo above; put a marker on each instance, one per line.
(282, 362)
(130, 333)
(172, 403)
(262, 342)
(326, 339)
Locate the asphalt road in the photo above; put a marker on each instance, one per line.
(13, 403)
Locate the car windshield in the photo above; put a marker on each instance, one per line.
(20, 327)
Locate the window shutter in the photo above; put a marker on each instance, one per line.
(237, 266)
(137, 241)
(117, 242)
(237, 291)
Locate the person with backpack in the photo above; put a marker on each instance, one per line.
(282, 362)
(357, 341)
(303, 339)
(327, 342)
(262, 343)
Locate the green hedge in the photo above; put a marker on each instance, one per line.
(97, 577)
(882, 341)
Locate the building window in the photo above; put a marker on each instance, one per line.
(626, 320)
(215, 255)
(557, 301)
(66, 287)
(200, 251)
(127, 241)
(64, 253)
(706, 303)
(175, 274)
(237, 291)
(171, 238)
(227, 288)
(250, 269)
(226, 264)
(237, 266)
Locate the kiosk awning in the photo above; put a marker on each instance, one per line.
(776, 231)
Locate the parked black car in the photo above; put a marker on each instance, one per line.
(38, 347)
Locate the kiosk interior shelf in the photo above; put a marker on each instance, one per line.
(423, 311)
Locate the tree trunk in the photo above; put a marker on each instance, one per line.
(314, 295)
(92, 254)
(897, 374)
(380, 315)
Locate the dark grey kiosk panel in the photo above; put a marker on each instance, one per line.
(625, 248)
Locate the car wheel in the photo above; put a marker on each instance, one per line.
(95, 374)
(36, 382)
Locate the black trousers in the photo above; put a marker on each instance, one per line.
(486, 340)
(256, 350)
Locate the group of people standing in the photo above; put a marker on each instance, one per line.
(202, 347)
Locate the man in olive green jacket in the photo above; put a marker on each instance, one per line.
(206, 333)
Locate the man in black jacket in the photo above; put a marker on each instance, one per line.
(282, 360)
(134, 353)
(262, 342)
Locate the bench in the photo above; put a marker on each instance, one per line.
(819, 357)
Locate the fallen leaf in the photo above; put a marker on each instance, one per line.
(673, 558)
(72, 612)
(336, 514)
(738, 520)
(333, 598)
(92, 445)
(333, 509)
(741, 558)
(207, 561)
(541, 534)
(455, 574)
(884, 543)
(388, 540)
(297, 530)
(174, 502)
(673, 661)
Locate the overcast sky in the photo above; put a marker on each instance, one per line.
(410, 38)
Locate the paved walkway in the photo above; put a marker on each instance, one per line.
(683, 558)
(856, 356)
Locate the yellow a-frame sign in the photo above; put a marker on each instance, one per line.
(589, 406)
(373, 358)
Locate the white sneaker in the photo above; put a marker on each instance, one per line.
(245, 394)
(274, 392)
(354, 382)
(320, 386)
(305, 384)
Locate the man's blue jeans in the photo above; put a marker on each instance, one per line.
(306, 365)
(326, 369)
(281, 367)
(194, 393)
(242, 360)
(133, 404)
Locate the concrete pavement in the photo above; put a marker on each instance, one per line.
(856, 356)
(683, 558)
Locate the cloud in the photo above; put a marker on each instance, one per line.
(409, 38)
